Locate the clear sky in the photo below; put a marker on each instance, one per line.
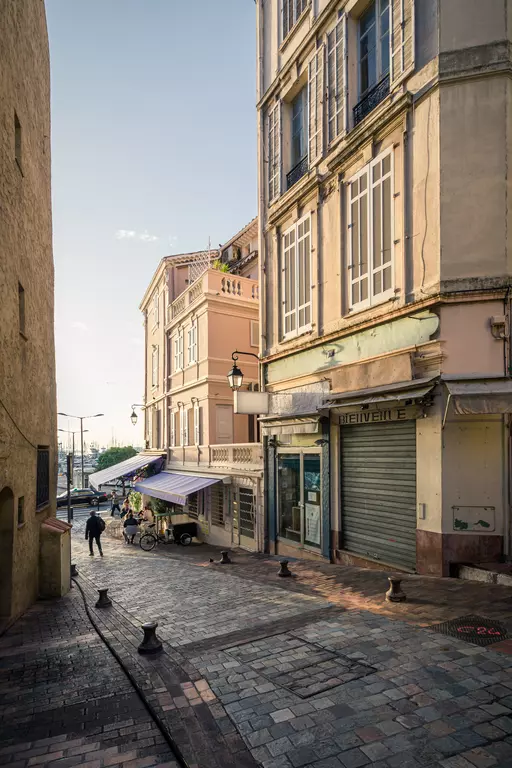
(153, 151)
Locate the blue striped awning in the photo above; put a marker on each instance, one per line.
(175, 488)
(127, 469)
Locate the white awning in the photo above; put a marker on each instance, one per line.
(127, 469)
(300, 425)
(175, 488)
(401, 391)
(481, 396)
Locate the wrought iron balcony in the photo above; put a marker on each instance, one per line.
(372, 99)
(297, 172)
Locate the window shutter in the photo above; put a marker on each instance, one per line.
(274, 152)
(316, 92)
(287, 16)
(337, 80)
(173, 428)
(401, 38)
(197, 430)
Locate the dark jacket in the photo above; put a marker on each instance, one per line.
(130, 521)
(92, 527)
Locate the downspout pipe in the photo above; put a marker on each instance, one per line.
(262, 249)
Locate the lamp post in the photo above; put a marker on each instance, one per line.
(70, 416)
(236, 377)
(134, 416)
(70, 432)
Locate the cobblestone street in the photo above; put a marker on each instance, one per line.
(316, 671)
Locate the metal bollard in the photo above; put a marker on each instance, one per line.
(74, 570)
(284, 570)
(104, 600)
(151, 643)
(394, 593)
(225, 559)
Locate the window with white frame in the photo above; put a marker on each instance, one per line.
(178, 352)
(296, 277)
(149, 417)
(373, 45)
(292, 11)
(192, 343)
(336, 79)
(299, 145)
(274, 152)
(370, 233)
(197, 425)
(155, 308)
(154, 366)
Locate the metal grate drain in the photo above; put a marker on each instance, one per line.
(473, 629)
(303, 668)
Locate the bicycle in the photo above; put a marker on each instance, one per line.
(150, 539)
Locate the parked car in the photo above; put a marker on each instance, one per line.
(82, 496)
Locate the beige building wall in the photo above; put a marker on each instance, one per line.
(27, 359)
(446, 124)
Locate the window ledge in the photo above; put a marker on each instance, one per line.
(24, 336)
(18, 163)
(368, 307)
(44, 508)
(291, 32)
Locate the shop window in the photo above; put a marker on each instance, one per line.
(299, 498)
(193, 505)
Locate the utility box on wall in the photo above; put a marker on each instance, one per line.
(54, 558)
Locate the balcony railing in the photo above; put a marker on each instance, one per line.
(297, 172)
(227, 456)
(215, 283)
(372, 99)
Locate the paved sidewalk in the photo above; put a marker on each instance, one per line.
(64, 701)
(312, 672)
(306, 683)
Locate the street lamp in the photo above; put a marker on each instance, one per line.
(134, 416)
(235, 376)
(69, 432)
(70, 416)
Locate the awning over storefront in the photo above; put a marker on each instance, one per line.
(175, 488)
(401, 391)
(126, 469)
(299, 425)
(480, 396)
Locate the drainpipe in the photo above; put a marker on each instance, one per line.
(260, 85)
(506, 438)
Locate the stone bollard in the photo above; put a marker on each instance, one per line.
(74, 570)
(104, 600)
(151, 643)
(225, 559)
(394, 593)
(284, 570)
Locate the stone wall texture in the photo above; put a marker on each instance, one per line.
(27, 361)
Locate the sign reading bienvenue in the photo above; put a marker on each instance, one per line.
(376, 417)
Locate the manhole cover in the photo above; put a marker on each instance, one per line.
(473, 629)
(304, 668)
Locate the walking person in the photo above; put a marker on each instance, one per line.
(115, 504)
(93, 530)
(126, 508)
(130, 528)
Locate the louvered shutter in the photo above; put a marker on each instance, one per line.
(172, 417)
(288, 19)
(316, 92)
(274, 152)
(401, 38)
(336, 79)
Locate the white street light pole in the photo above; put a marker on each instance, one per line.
(70, 416)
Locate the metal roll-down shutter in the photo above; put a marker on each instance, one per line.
(378, 481)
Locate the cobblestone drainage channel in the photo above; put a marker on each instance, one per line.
(473, 629)
(303, 668)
